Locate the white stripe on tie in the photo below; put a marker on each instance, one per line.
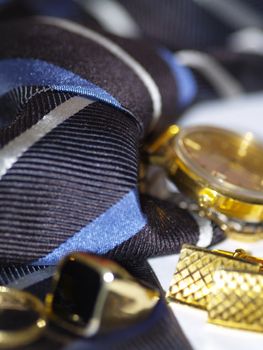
(120, 53)
(205, 231)
(10, 153)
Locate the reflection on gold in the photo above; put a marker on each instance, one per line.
(218, 174)
(228, 157)
(192, 144)
(164, 138)
(248, 137)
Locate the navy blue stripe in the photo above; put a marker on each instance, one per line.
(119, 223)
(30, 72)
(185, 81)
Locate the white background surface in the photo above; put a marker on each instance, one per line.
(240, 114)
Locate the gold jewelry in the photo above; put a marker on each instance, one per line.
(12, 299)
(219, 170)
(94, 295)
(236, 300)
(193, 278)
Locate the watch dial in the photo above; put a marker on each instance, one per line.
(226, 157)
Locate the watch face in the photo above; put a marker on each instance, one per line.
(227, 161)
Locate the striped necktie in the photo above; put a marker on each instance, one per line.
(70, 153)
(75, 104)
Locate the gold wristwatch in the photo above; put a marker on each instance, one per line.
(220, 170)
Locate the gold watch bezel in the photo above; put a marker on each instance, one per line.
(206, 179)
(212, 196)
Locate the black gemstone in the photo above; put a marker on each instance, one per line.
(76, 293)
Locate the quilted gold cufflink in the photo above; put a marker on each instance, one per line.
(193, 278)
(236, 300)
(92, 295)
(229, 285)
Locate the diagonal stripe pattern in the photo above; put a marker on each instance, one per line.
(69, 145)
(66, 179)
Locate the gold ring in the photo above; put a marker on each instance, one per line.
(94, 295)
(16, 300)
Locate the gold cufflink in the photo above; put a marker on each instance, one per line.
(236, 300)
(192, 281)
(93, 295)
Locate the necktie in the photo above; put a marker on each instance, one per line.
(70, 187)
(69, 153)
(70, 156)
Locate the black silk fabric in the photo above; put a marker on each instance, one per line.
(87, 164)
(79, 170)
